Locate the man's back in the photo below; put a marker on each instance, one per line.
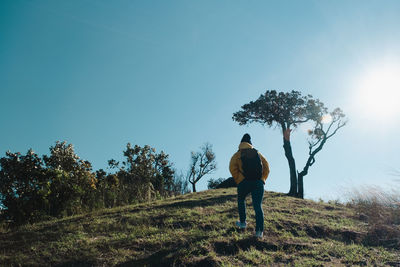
(236, 166)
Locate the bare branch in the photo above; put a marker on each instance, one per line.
(330, 125)
(203, 163)
(312, 161)
(311, 145)
(340, 125)
(300, 121)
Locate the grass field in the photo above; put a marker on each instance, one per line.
(198, 230)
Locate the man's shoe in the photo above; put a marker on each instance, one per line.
(241, 225)
(259, 234)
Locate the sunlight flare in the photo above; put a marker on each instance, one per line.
(378, 93)
(326, 119)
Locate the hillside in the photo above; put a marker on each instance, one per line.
(198, 230)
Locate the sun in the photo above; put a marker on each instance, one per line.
(378, 93)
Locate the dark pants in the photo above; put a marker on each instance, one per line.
(256, 188)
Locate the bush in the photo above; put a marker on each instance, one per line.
(221, 183)
(34, 188)
(381, 210)
(23, 187)
(213, 183)
(180, 185)
(230, 182)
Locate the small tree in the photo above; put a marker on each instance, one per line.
(288, 110)
(143, 175)
(72, 182)
(23, 187)
(180, 185)
(213, 183)
(324, 128)
(164, 179)
(107, 188)
(202, 163)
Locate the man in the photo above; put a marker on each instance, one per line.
(250, 170)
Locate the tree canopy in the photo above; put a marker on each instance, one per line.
(284, 109)
(202, 163)
(33, 188)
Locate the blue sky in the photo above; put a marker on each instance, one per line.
(170, 74)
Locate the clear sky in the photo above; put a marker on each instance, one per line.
(170, 74)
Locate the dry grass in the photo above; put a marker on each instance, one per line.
(380, 209)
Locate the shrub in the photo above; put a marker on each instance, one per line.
(34, 188)
(381, 210)
(213, 183)
(23, 187)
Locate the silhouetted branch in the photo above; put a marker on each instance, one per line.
(203, 163)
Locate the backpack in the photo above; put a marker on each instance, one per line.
(251, 164)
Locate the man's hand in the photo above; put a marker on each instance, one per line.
(286, 134)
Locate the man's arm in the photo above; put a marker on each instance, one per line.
(266, 170)
(234, 167)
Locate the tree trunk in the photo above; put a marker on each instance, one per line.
(300, 193)
(309, 163)
(292, 167)
(194, 187)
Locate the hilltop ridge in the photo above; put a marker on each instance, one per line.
(198, 229)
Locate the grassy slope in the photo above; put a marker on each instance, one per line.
(198, 229)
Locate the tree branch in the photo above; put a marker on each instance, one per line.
(311, 145)
(300, 121)
(340, 125)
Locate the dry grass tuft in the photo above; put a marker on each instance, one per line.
(380, 209)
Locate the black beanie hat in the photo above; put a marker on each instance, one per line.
(246, 138)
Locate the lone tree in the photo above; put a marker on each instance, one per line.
(202, 163)
(289, 110)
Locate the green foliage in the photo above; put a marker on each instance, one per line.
(72, 182)
(33, 188)
(107, 188)
(213, 183)
(61, 184)
(142, 176)
(287, 109)
(23, 186)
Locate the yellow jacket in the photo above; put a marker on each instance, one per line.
(235, 166)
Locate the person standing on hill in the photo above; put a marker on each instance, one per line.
(250, 170)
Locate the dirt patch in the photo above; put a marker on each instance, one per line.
(383, 235)
(283, 226)
(345, 235)
(316, 231)
(350, 236)
(247, 243)
(206, 227)
(225, 248)
(230, 230)
(291, 227)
